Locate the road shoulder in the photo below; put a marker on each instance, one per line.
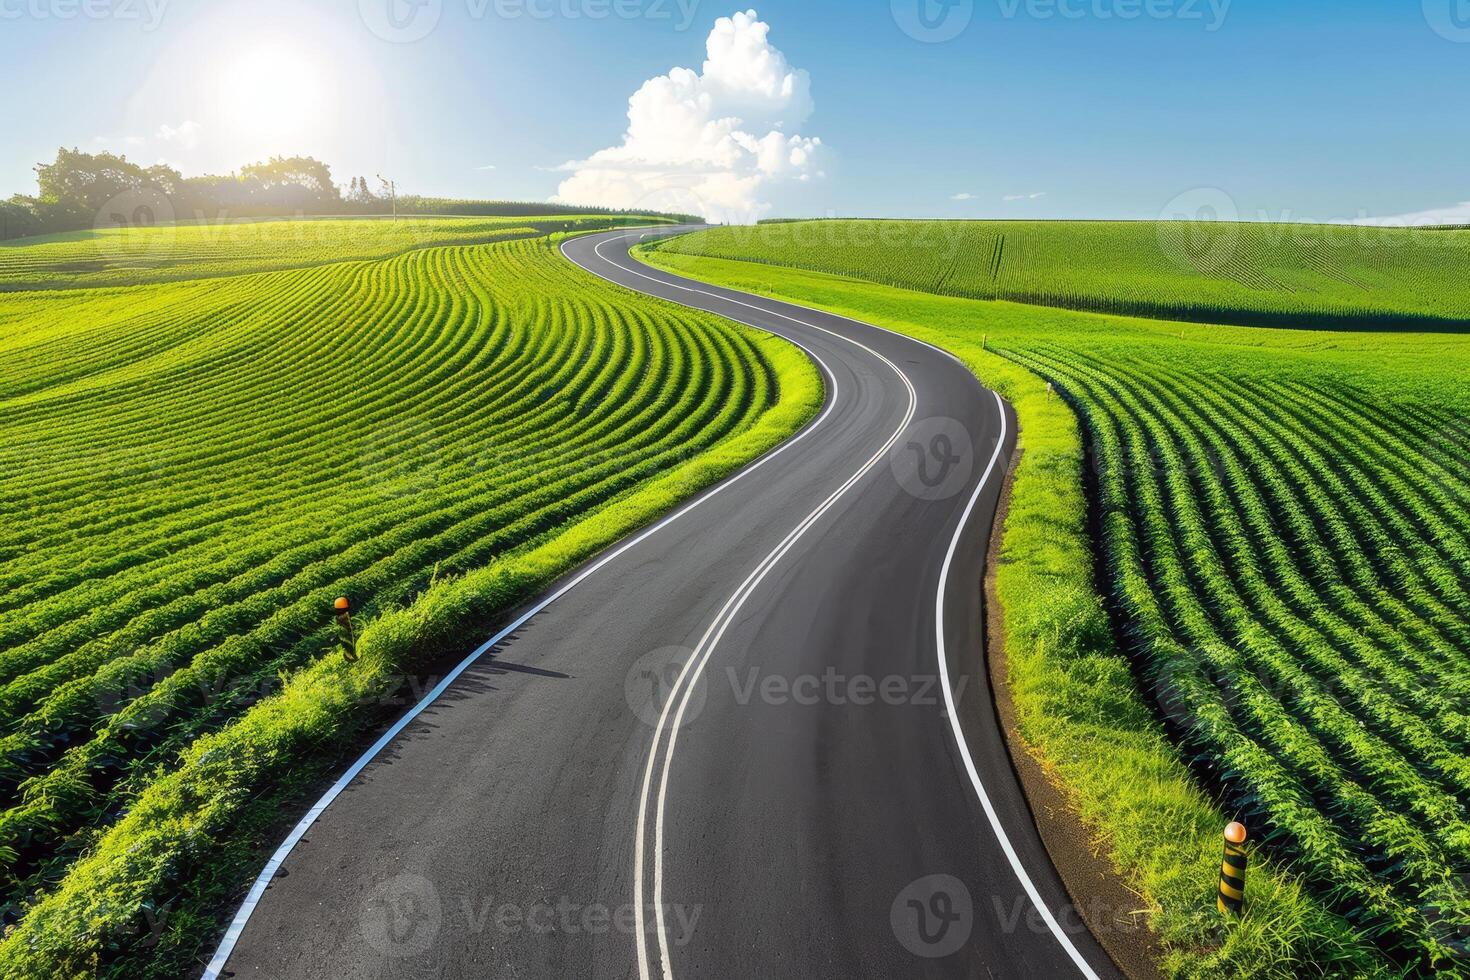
(1116, 914)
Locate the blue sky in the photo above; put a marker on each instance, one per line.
(1034, 108)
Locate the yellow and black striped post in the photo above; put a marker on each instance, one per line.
(1232, 871)
(345, 631)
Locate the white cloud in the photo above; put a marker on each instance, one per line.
(1455, 214)
(962, 196)
(185, 134)
(1024, 197)
(708, 142)
(488, 166)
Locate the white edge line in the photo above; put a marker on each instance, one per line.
(640, 844)
(737, 599)
(242, 917)
(959, 735)
(954, 715)
(797, 306)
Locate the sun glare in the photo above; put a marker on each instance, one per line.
(269, 92)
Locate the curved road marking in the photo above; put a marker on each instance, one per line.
(959, 732)
(959, 735)
(257, 890)
(242, 917)
(707, 644)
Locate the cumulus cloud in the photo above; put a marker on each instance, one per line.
(962, 196)
(185, 134)
(708, 142)
(1024, 197)
(1454, 214)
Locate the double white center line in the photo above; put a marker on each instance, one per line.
(667, 730)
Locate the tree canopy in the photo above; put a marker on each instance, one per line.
(86, 190)
(82, 190)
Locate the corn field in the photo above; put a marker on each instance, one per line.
(1213, 272)
(194, 471)
(1282, 518)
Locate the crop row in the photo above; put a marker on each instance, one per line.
(1312, 275)
(1292, 567)
(203, 468)
(117, 256)
(1282, 525)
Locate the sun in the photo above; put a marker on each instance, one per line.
(270, 92)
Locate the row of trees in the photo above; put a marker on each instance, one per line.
(86, 190)
(83, 190)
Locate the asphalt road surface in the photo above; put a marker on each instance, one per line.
(739, 746)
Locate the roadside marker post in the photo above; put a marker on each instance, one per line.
(346, 634)
(1232, 871)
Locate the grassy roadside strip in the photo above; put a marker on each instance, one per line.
(1078, 704)
(151, 895)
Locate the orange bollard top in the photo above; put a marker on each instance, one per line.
(342, 604)
(1235, 833)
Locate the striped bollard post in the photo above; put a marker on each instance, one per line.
(345, 632)
(1232, 871)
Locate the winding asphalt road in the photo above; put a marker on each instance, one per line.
(755, 741)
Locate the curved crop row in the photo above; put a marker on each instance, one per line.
(1210, 271)
(1283, 521)
(111, 256)
(201, 468)
(1326, 685)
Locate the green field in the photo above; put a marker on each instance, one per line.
(209, 432)
(1283, 522)
(121, 256)
(1214, 272)
(196, 469)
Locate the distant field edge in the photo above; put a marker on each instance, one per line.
(1248, 274)
(1077, 706)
